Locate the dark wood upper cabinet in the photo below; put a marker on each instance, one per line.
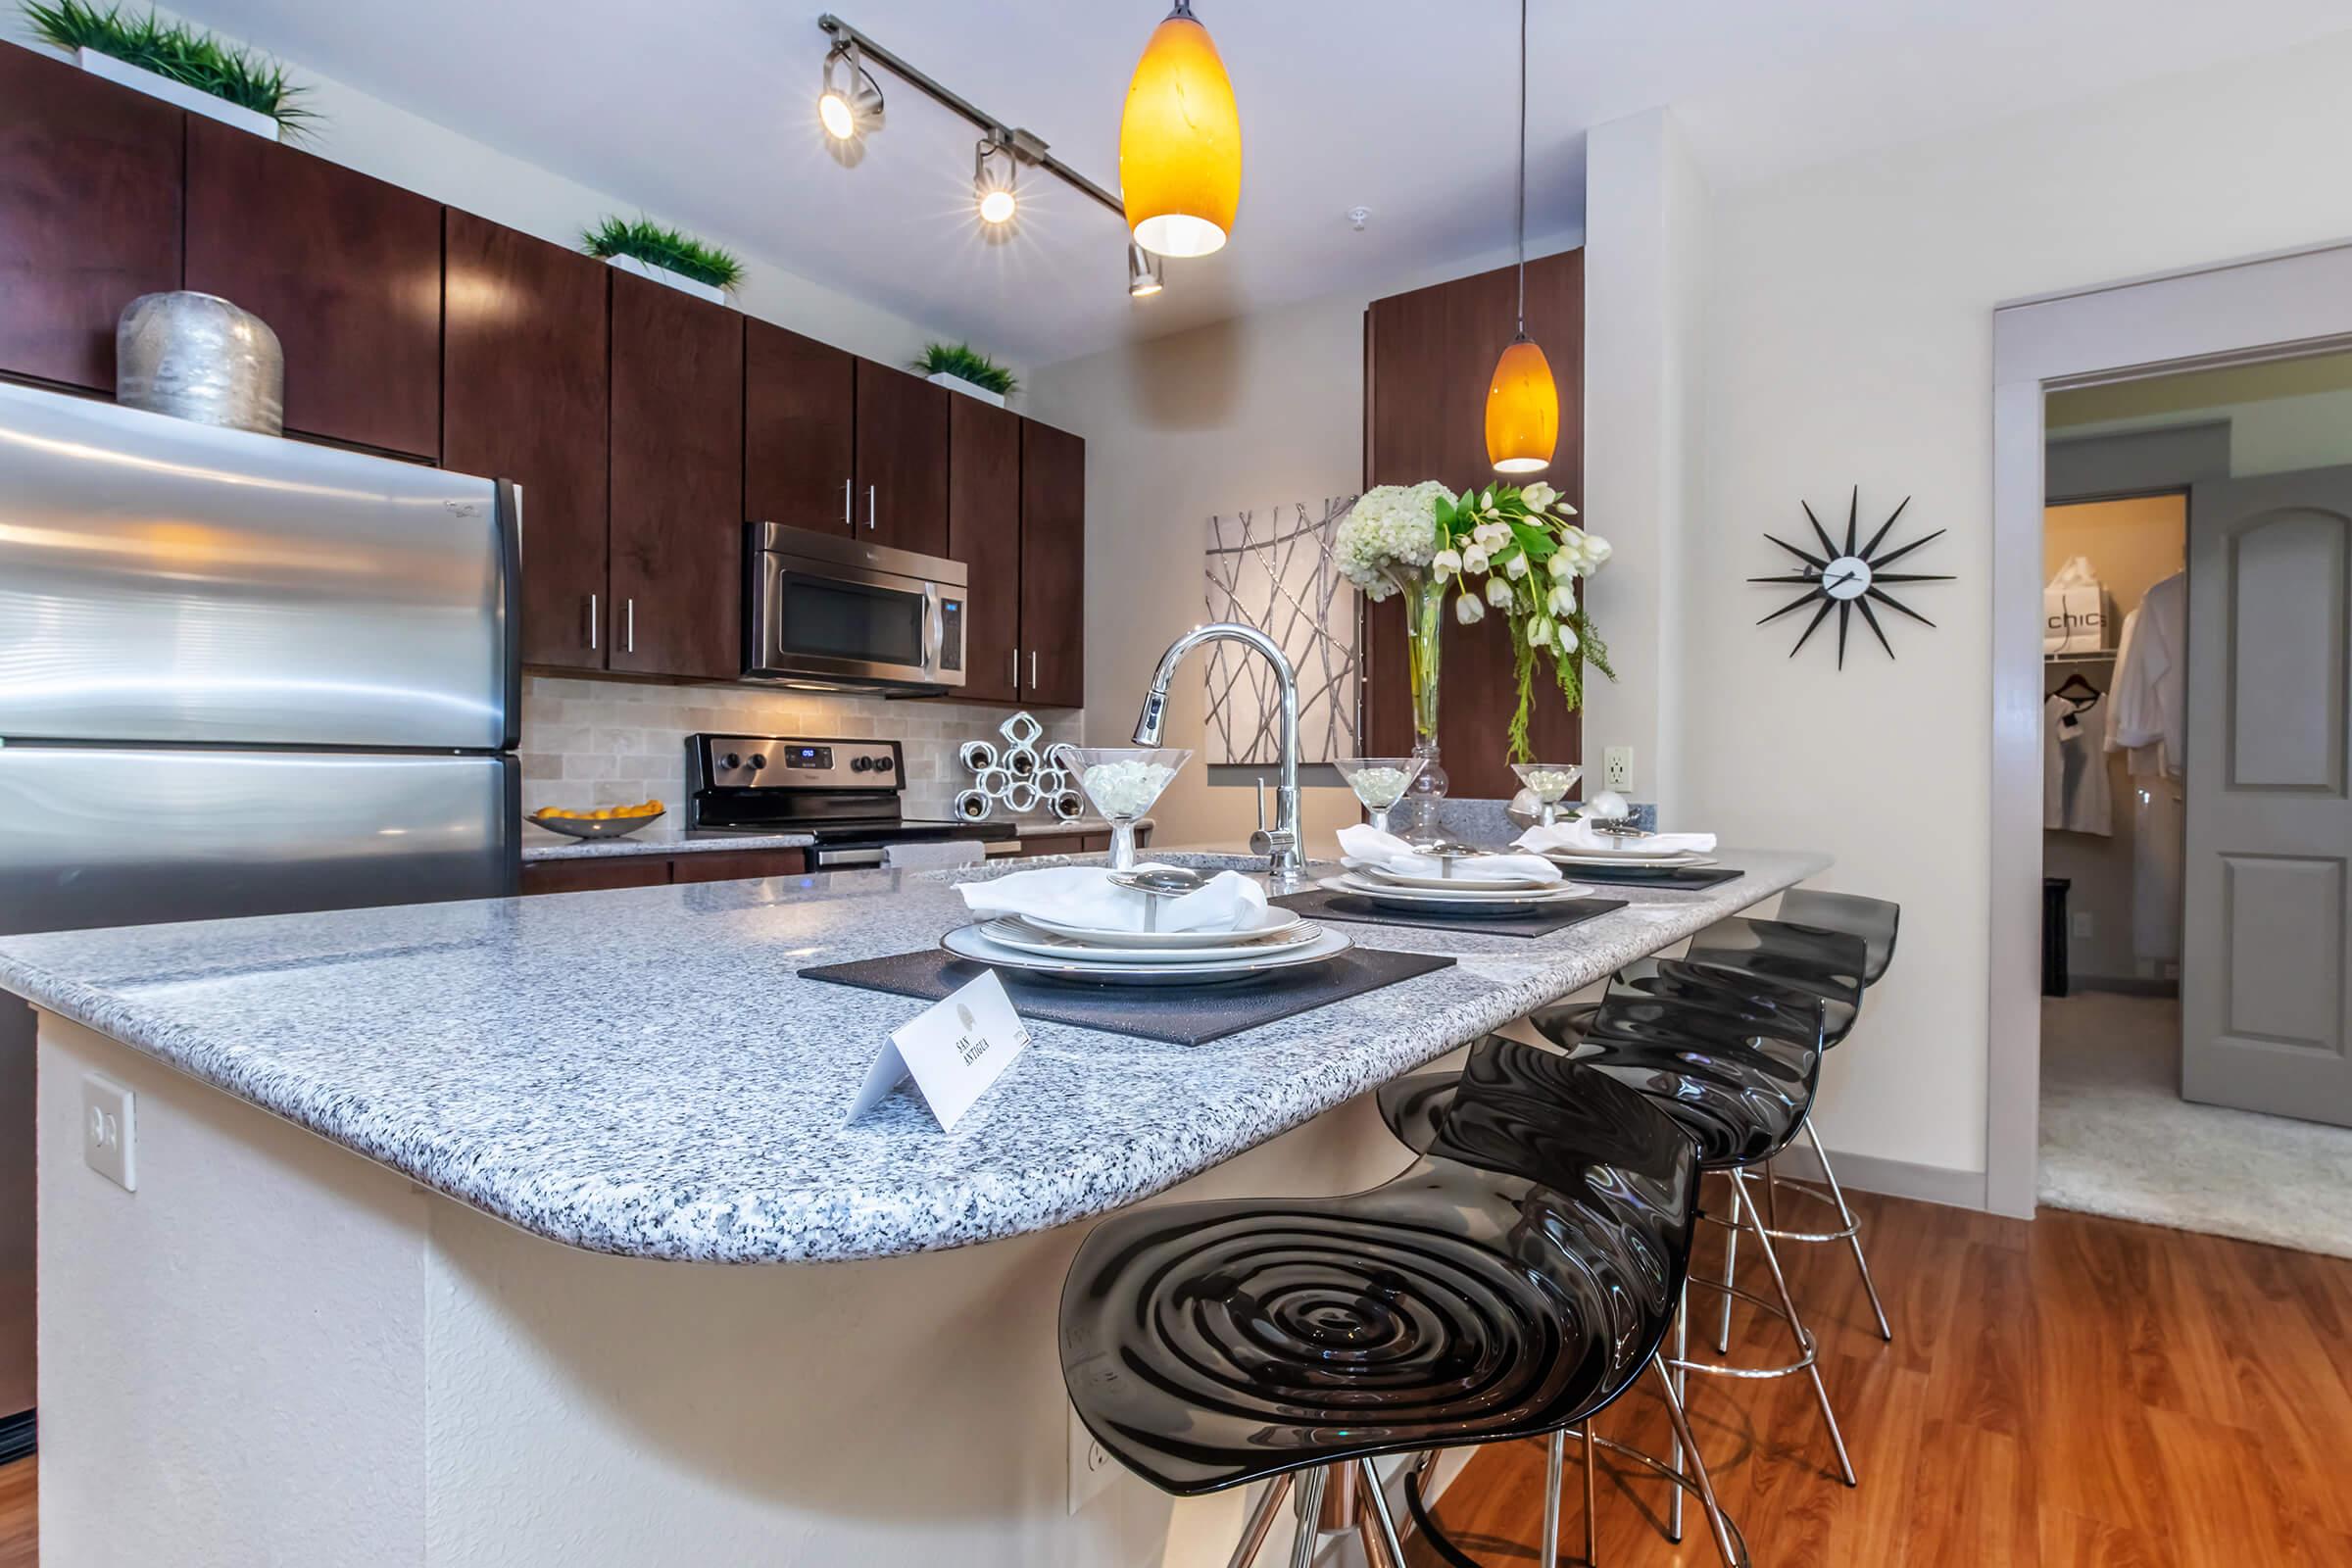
(984, 532)
(900, 491)
(345, 269)
(524, 398)
(799, 446)
(89, 214)
(1427, 359)
(1053, 567)
(677, 484)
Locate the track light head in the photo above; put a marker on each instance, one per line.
(993, 174)
(1144, 277)
(851, 105)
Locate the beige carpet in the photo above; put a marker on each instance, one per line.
(2118, 1139)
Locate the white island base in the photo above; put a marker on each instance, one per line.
(277, 1351)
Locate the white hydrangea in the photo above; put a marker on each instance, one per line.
(1391, 529)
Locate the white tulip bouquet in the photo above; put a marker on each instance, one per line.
(1508, 549)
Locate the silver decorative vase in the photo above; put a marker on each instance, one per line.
(198, 356)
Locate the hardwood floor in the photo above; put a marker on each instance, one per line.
(2076, 1393)
(20, 1512)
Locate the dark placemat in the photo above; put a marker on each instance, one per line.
(1180, 1016)
(1323, 904)
(1669, 877)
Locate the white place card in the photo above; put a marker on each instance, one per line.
(953, 1050)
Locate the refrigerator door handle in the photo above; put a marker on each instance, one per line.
(508, 522)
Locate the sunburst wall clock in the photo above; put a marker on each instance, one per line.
(1849, 579)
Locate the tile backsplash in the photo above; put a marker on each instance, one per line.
(591, 743)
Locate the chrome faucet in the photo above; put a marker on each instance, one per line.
(1280, 843)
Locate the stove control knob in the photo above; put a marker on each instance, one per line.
(862, 764)
(882, 764)
(755, 761)
(730, 762)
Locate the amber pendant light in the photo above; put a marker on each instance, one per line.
(1180, 142)
(1523, 405)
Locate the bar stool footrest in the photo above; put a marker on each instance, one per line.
(1425, 1528)
(1789, 1184)
(1716, 1369)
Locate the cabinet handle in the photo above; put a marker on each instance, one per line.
(1014, 679)
(1033, 669)
(629, 624)
(591, 623)
(849, 518)
(869, 506)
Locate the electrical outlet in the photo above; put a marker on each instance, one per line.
(1617, 768)
(108, 1134)
(1091, 1467)
(2082, 925)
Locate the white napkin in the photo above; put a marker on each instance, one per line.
(1580, 836)
(1084, 896)
(1360, 841)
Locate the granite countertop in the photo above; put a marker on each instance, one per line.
(666, 837)
(641, 1071)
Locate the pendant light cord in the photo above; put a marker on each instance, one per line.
(1523, 168)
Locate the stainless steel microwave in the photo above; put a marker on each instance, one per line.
(826, 610)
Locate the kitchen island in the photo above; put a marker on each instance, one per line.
(481, 1307)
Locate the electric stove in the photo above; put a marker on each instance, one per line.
(846, 793)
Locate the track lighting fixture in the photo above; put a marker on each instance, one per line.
(992, 173)
(850, 106)
(1143, 276)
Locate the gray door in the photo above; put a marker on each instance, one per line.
(2267, 944)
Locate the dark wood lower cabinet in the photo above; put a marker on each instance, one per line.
(1037, 844)
(89, 214)
(1427, 356)
(676, 530)
(715, 865)
(598, 874)
(603, 873)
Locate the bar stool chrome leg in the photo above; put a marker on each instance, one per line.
(1307, 1505)
(1385, 1534)
(1555, 1456)
(1262, 1520)
(1731, 1270)
(1733, 1556)
(1591, 1505)
(1681, 1385)
(1804, 1336)
(1852, 1228)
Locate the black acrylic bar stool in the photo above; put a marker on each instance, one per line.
(1736, 1072)
(1833, 945)
(1518, 1279)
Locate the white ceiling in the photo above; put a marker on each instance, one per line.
(703, 113)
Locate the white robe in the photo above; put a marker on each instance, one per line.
(2147, 706)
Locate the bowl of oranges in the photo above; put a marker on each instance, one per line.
(611, 822)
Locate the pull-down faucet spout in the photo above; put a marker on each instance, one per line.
(1280, 843)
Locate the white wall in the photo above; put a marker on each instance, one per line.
(1643, 433)
(1849, 339)
(1253, 412)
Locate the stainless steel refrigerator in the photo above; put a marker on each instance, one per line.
(239, 674)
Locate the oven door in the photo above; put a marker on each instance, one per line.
(844, 625)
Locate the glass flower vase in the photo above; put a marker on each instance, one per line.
(1415, 816)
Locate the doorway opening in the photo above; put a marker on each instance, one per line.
(2197, 565)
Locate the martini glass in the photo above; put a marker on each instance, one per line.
(1121, 783)
(1379, 782)
(1549, 783)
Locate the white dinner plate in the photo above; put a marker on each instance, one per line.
(1467, 877)
(1016, 932)
(1272, 922)
(968, 942)
(1468, 900)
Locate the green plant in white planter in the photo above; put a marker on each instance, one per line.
(967, 369)
(665, 256)
(178, 64)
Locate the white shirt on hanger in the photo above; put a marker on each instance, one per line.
(2148, 703)
(2074, 773)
